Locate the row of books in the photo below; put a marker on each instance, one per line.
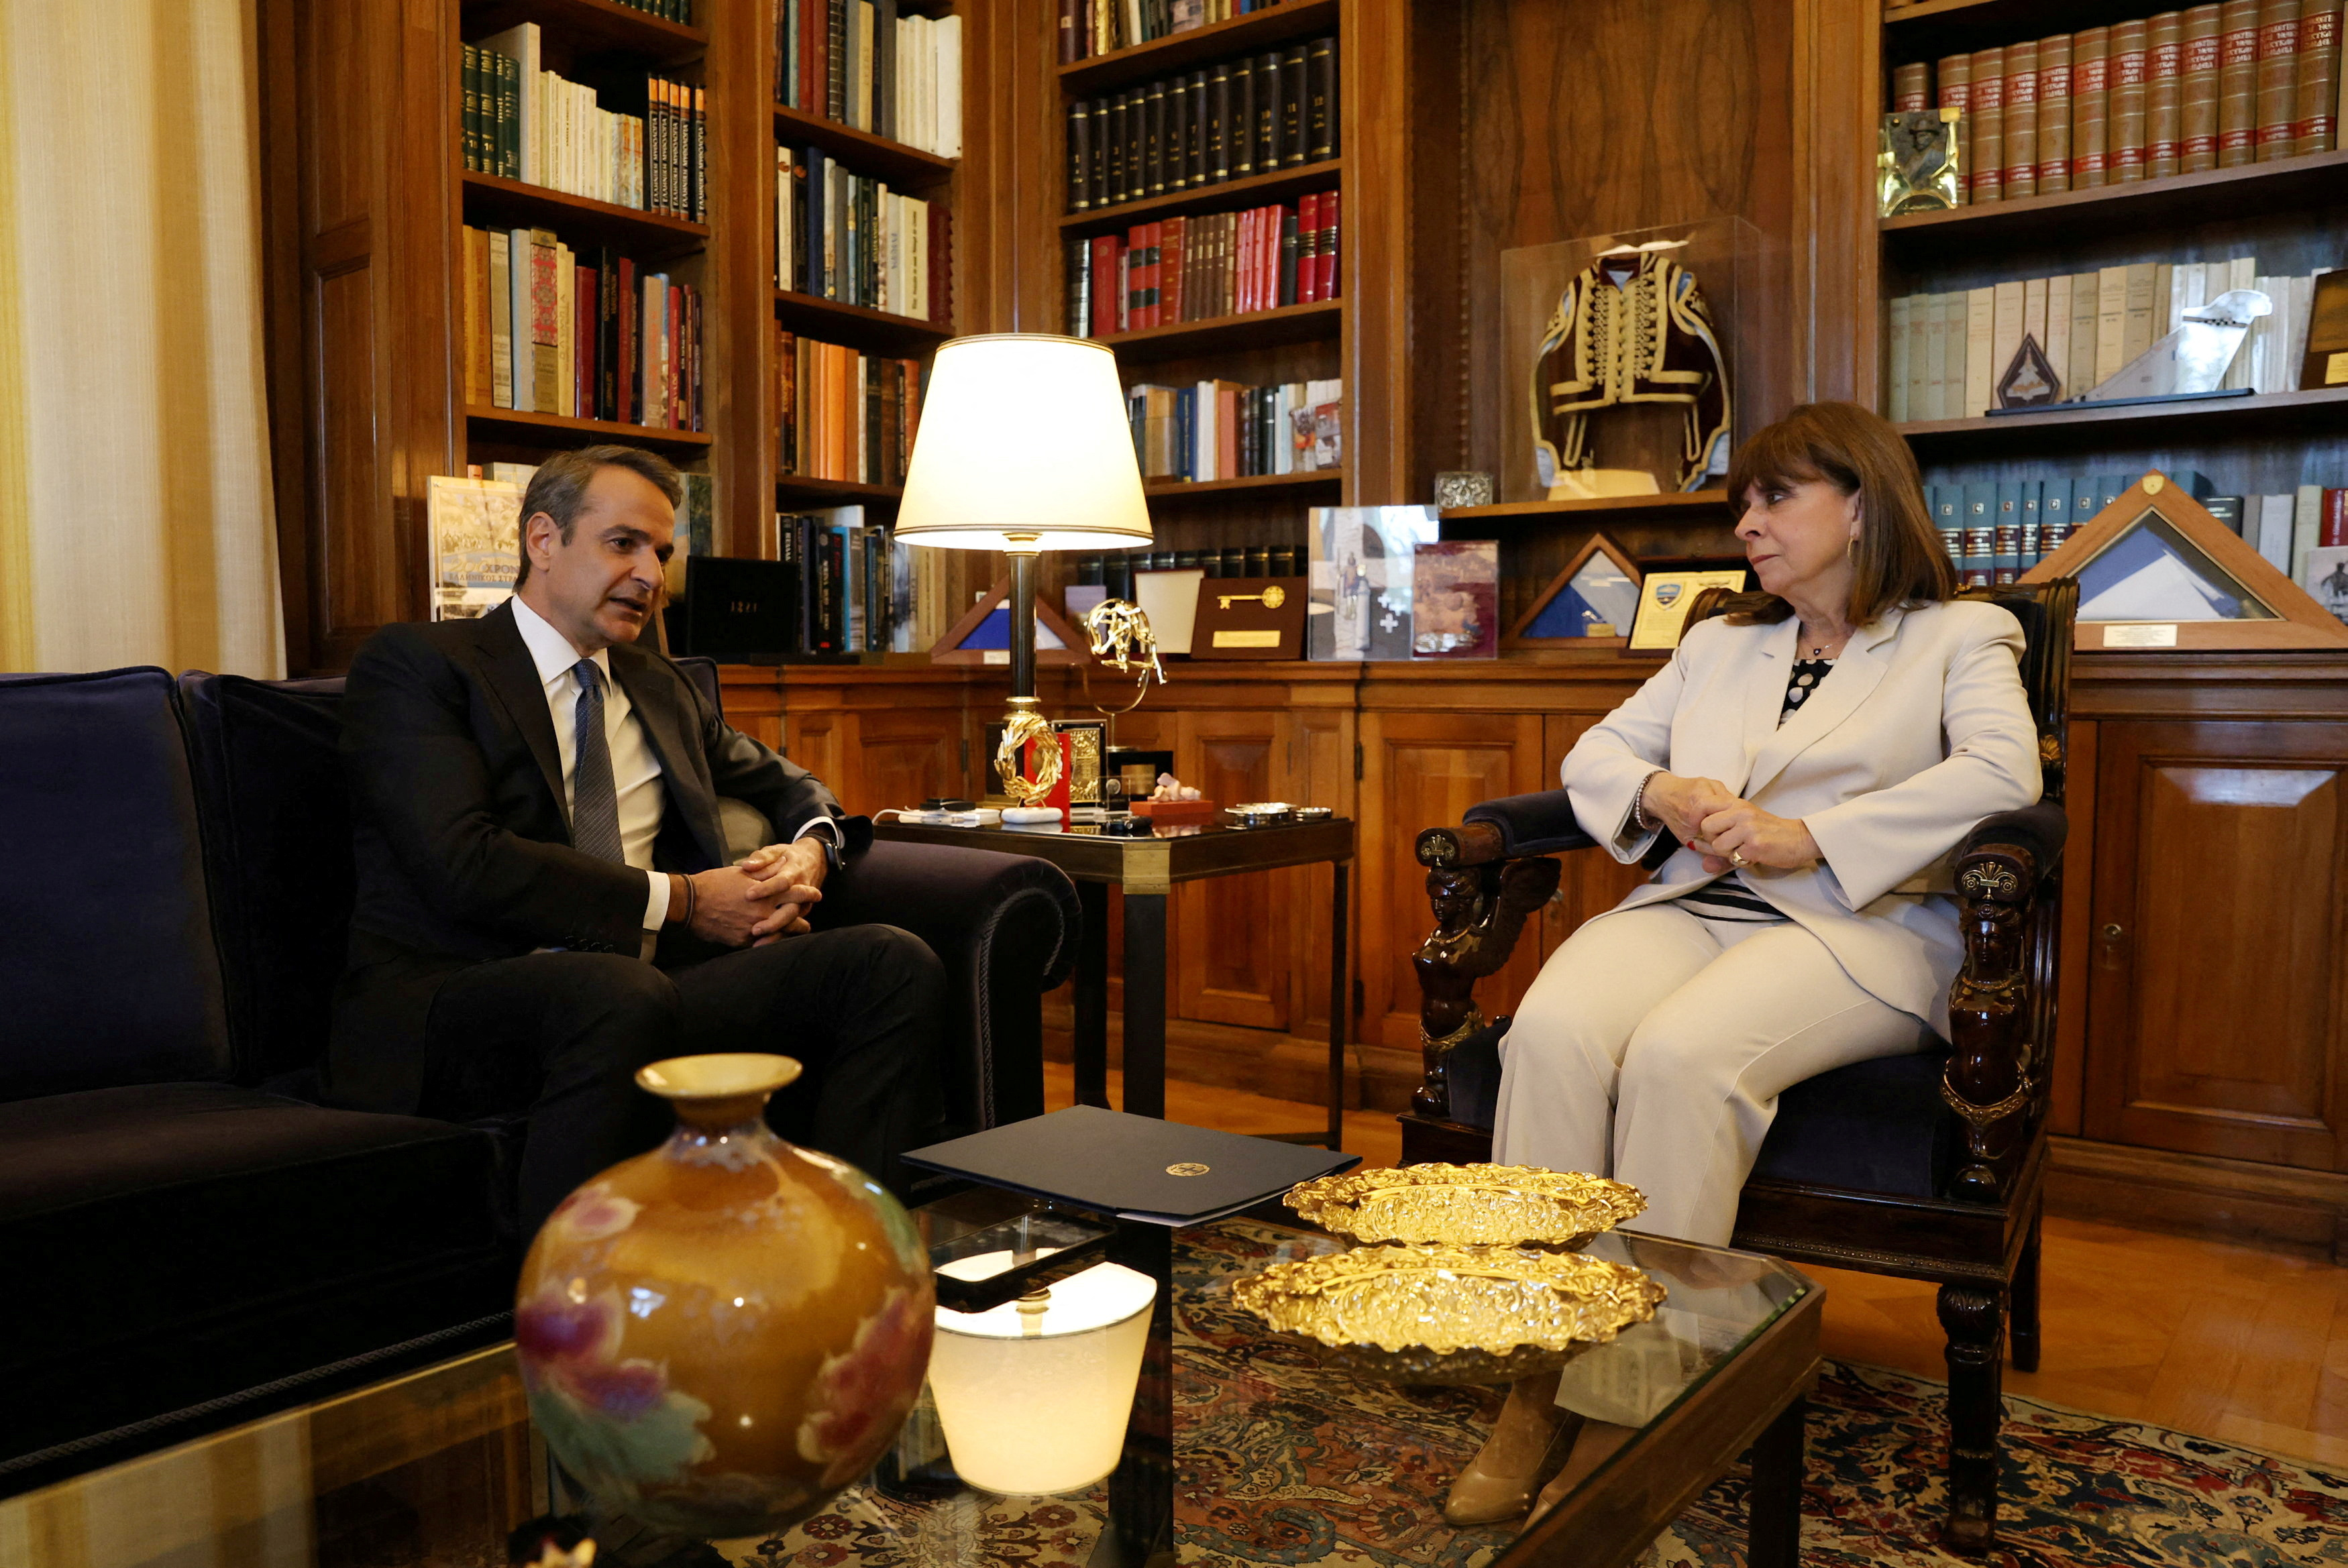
(2210, 87)
(545, 333)
(534, 126)
(1996, 530)
(1229, 121)
(862, 63)
(677, 11)
(1203, 268)
(1089, 27)
(846, 414)
(1115, 570)
(853, 582)
(841, 236)
(2289, 526)
(1946, 353)
(1222, 430)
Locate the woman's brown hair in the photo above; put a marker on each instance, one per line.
(1901, 559)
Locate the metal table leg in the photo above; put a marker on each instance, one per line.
(1145, 1004)
(1337, 999)
(1092, 997)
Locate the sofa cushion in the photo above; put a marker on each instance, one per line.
(191, 1240)
(1872, 1127)
(108, 973)
(277, 838)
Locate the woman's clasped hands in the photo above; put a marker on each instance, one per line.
(1729, 832)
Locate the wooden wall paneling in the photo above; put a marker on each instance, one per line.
(1379, 119)
(1322, 749)
(754, 704)
(2220, 904)
(1007, 239)
(2068, 1086)
(1419, 770)
(1232, 956)
(1837, 75)
(740, 409)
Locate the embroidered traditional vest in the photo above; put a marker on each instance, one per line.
(1629, 330)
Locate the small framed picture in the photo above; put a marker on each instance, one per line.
(1664, 600)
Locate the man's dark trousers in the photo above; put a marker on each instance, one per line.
(858, 1008)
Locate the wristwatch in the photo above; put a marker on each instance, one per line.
(833, 858)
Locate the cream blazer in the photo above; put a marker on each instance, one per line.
(1921, 729)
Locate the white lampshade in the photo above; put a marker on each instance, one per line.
(1025, 434)
(1035, 1403)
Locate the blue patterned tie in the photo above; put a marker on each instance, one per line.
(595, 800)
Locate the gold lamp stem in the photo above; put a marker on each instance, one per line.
(1023, 721)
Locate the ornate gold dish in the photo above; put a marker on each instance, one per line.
(1449, 1314)
(1467, 1204)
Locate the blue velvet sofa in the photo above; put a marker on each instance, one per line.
(190, 1238)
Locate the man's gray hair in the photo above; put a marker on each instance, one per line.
(559, 488)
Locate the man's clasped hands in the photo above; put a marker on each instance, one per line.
(1703, 815)
(760, 899)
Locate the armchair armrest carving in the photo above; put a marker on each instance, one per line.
(1512, 827)
(1998, 1010)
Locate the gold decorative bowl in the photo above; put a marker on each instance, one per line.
(1463, 1205)
(1449, 1314)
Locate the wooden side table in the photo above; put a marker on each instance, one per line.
(1148, 869)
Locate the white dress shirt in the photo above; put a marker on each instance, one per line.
(636, 768)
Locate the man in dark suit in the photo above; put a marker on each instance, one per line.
(544, 899)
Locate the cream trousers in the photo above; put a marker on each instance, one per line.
(1654, 1043)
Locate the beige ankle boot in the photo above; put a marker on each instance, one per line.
(1529, 1443)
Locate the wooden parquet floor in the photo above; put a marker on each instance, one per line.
(2231, 1342)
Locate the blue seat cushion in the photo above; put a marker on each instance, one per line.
(1875, 1126)
(179, 1242)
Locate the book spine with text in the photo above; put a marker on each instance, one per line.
(2020, 101)
(2163, 88)
(1987, 178)
(2197, 115)
(1954, 82)
(2090, 95)
(2130, 60)
(2314, 116)
(2238, 83)
(1909, 87)
(2055, 114)
(2277, 77)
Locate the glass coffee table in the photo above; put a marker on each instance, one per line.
(1275, 1456)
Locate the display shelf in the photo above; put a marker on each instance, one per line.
(590, 26)
(1693, 504)
(875, 157)
(863, 326)
(1936, 27)
(1255, 191)
(1288, 323)
(2086, 425)
(546, 429)
(1163, 56)
(2311, 183)
(1177, 490)
(789, 488)
(496, 201)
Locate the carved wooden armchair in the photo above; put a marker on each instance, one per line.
(1928, 1166)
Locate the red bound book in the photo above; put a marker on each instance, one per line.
(1308, 249)
(1137, 276)
(1104, 286)
(1329, 233)
(1156, 274)
(1267, 257)
(2334, 528)
(630, 407)
(672, 383)
(1172, 256)
(583, 333)
(1243, 270)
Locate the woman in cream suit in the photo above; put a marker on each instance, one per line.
(1816, 754)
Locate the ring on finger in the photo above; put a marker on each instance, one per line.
(1737, 858)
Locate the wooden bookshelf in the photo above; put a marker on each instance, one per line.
(2316, 178)
(800, 489)
(2085, 425)
(1256, 191)
(593, 26)
(1601, 509)
(910, 168)
(838, 321)
(1183, 489)
(1935, 28)
(1256, 31)
(557, 430)
(1182, 340)
(496, 201)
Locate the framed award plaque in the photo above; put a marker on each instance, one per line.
(1250, 618)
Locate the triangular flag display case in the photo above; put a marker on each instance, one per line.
(1600, 581)
(974, 641)
(2157, 570)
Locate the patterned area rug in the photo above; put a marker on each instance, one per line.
(1283, 1462)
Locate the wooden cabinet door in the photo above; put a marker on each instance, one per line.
(2220, 918)
(902, 758)
(1420, 771)
(1233, 935)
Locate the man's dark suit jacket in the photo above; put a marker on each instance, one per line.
(463, 839)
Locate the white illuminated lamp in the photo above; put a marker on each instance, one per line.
(1023, 446)
(1035, 1395)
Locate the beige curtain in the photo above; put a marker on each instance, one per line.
(136, 525)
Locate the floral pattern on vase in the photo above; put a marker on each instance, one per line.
(718, 1336)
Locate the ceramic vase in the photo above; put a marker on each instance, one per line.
(718, 1336)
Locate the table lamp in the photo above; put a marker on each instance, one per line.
(1023, 446)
